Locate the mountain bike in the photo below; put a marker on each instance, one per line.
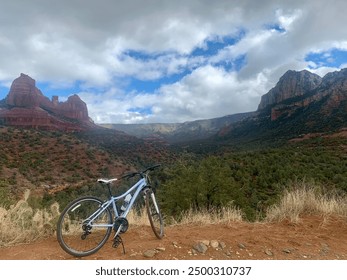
(86, 223)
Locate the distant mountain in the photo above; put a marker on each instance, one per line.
(180, 132)
(25, 106)
(332, 88)
(291, 84)
(300, 103)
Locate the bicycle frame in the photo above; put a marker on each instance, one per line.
(73, 227)
(139, 186)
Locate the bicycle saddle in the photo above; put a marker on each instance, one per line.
(106, 181)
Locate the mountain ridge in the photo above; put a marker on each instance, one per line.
(296, 94)
(320, 110)
(178, 132)
(27, 107)
(291, 84)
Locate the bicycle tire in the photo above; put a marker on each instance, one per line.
(75, 240)
(154, 214)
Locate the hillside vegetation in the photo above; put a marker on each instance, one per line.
(51, 162)
(264, 184)
(58, 167)
(22, 223)
(253, 180)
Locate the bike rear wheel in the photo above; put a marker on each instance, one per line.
(78, 237)
(154, 215)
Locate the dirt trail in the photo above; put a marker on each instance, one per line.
(312, 238)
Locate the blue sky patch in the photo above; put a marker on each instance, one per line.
(48, 90)
(141, 55)
(141, 110)
(276, 27)
(233, 65)
(3, 92)
(332, 58)
(150, 86)
(212, 47)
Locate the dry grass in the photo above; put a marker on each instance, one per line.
(138, 218)
(306, 199)
(224, 215)
(21, 224)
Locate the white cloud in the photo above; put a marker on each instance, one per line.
(286, 20)
(207, 92)
(322, 71)
(65, 42)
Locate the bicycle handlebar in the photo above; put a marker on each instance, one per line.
(128, 175)
(151, 168)
(132, 174)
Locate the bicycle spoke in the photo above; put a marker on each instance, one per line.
(80, 236)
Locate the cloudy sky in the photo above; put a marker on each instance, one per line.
(142, 61)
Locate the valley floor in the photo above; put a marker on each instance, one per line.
(313, 238)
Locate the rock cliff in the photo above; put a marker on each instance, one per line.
(296, 90)
(291, 84)
(26, 106)
(295, 107)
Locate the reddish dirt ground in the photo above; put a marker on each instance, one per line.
(312, 238)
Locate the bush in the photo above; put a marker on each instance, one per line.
(22, 223)
(303, 198)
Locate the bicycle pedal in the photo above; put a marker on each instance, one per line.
(117, 241)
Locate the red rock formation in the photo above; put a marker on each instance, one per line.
(300, 89)
(23, 93)
(291, 84)
(26, 106)
(73, 108)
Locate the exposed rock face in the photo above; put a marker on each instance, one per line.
(334, 85)
(290, 85)
(23, 93)
(300, 89)
(26, 106)
(73, 108)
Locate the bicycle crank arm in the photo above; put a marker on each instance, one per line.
(118, 231)
(116, 241)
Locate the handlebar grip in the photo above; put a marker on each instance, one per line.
(132, 174)
(129, 175)
(153, 167)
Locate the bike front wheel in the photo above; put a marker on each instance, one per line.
(83, 228)
(154, 215)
